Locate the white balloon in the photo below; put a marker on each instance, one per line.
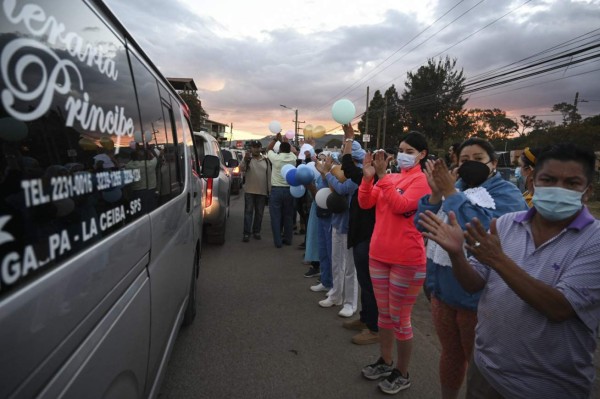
(321, 197)
(275, 127)
(276, 146)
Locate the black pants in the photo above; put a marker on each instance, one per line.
(368, 312)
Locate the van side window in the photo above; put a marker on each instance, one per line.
(146, 155)
(63, 184)
(179, 138)
(172, 169)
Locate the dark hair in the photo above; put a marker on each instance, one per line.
(418, 142)
(535, 152)
(392, 151)
(486, 145)
(455, 148)
(569, 152)
(285, 147)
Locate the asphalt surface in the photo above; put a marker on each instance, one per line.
(260, 333)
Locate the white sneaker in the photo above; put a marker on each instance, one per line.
(346, 311)
(318, 288)
(327, 303)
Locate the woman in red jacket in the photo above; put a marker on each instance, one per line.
(397, 253)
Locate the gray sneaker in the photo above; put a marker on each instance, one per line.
(377, 370)
(394, 383)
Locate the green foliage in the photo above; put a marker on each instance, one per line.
(492, 124)
(569, 113)
(375, 112)
(433, 100)
(197, 113)
(531, 123)
(583, 135)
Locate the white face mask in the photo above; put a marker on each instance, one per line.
(556, 203)
(406, 161)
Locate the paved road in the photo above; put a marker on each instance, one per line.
(260, 333)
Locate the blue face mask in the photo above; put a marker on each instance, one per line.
(556, 203)
(406, 161)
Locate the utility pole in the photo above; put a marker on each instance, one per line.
(384, 121)
(378, 130)
(296, 125)
(366, 119)
(574, 107)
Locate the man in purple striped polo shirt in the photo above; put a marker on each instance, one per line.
(540, 273)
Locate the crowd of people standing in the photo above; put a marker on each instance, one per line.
(491, 258)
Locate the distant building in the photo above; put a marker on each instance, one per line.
(215, 129)
(188, 86)
(185, 85)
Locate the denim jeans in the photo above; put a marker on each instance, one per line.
(324, 234)
(254, 208)
(281, 209)
(368, 313)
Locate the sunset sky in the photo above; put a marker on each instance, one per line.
(247, 58)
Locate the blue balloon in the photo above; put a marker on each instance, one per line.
(290, 177)
(343, 111)
(285, 169)
(297, 191)
(304, 175)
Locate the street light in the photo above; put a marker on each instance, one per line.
(295, 120)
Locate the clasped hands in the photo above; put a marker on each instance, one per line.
(486, 247)
(440, 179)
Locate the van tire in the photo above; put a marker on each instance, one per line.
(190, 310)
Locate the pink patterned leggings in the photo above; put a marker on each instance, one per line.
(396, 289)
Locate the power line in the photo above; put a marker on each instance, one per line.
(351, 88)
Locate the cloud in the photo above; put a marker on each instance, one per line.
(243, 79)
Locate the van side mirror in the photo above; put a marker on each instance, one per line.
(232, 163)
(211, 166)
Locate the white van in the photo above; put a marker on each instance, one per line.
(100, 206)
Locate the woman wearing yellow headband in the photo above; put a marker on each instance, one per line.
(527, 162)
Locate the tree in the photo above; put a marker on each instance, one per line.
(197, 114)
(433, 99)
(389, 106)
(375, 112)
(492, 124)
(531, 123)
(569, 113)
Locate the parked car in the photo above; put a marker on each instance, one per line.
(218, 192)
(235, 171)
(100, 206)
